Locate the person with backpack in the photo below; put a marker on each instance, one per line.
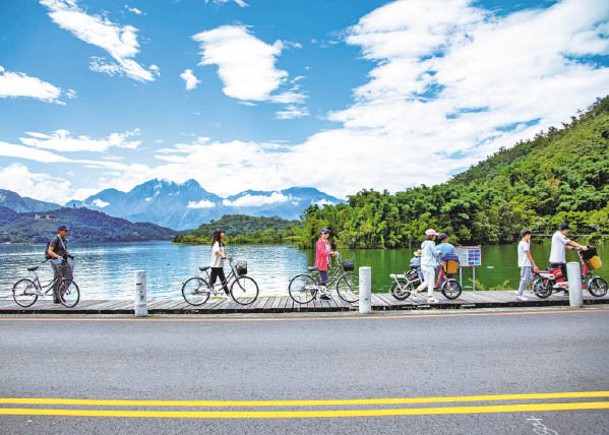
(57, 252)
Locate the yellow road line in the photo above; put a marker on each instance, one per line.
(539, 407)
(304, 403)
(29, 317)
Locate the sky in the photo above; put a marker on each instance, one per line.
(340, 95)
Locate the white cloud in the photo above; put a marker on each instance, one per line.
(292, 112)
(246, 64)
(257, 200)
(201, 204)
(100, 203)
(190, 79)
(24, 152)
(16, 84)
(18, 178)
(240, 3)
(120, 42)
(136, 11)
(63, 141)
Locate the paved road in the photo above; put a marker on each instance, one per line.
(381, 374)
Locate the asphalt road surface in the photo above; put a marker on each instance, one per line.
(460, 372)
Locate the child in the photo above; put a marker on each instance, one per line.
(525, 262)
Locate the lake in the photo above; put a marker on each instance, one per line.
(106, 270)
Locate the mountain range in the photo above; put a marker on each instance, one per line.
(182, 206)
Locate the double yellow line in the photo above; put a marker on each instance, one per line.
(241, 409)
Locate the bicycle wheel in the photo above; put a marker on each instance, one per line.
(195, 291)
(69, 293)
(597, 287)
(25, 292)
(244, 290)
(542, 288)
(451, 289)
(402, 290)
(303, 288)
(347, 287)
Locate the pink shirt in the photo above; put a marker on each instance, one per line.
(322, 254)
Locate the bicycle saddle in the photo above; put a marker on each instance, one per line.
(313, 268)
(33, 268)
(203, 268)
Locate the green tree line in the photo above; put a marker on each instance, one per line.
(561, 175)
(243, 229)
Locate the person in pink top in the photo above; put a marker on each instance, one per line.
(323, 257)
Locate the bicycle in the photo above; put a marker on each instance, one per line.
(243, 289)
(304, 287)
(406, 283)
(26, 291)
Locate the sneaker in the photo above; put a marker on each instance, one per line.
(522, 298)
(325, 297)
(432, 301)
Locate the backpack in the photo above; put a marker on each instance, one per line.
(46, 251)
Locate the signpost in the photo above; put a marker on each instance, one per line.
(469, 256)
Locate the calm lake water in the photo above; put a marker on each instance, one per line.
(106, 270)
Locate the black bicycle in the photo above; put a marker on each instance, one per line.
(243, 289)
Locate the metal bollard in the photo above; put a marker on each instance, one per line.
(365, 290)
(575, 285)
(139, 306)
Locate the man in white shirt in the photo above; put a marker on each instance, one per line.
(560, 242)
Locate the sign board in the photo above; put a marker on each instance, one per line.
(469, 256)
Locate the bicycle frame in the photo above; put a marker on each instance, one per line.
(218, 287)
(334, 273)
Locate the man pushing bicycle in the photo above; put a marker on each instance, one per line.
(57, 252)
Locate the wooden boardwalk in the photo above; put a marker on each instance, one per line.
(284, 304)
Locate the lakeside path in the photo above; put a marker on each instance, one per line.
(284, 304)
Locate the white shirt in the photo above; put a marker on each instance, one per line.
(216, 260)
(557, 252)
(523, 258)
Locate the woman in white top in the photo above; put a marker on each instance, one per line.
(429, 261)
(217, 260)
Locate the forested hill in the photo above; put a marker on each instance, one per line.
(86, 226)
(239, 228)
(561, 175)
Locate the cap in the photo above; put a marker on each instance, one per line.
(431, 232)
(443, 236)
(324, 230)
(63, 228)
(563, 227)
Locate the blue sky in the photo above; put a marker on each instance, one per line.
(269, 94)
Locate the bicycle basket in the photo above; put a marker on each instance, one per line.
(451, 266)
(348, 265)
(241, 267)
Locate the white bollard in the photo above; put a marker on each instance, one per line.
(575, 285)
(365, 290)
(139, 306)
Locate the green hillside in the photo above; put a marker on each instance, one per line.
(85, 225)
(243, 229)
(561, 175)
